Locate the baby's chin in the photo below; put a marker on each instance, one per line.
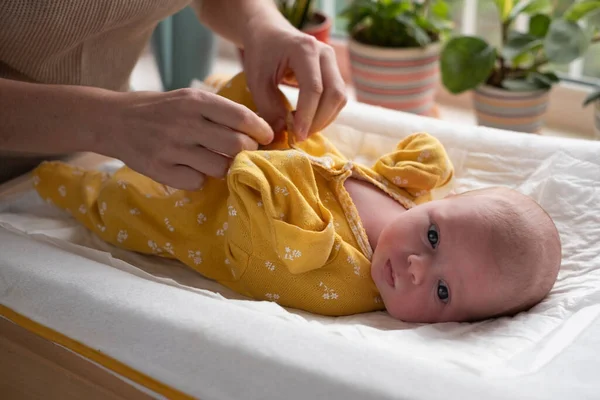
(375, 266)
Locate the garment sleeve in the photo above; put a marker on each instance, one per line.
(275, 210)
(419, 165)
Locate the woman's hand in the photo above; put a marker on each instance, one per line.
(179, 137)
(273, 53)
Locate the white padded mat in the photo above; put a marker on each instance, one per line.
(199, 337)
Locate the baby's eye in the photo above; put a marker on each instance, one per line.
(442, 292)
(433, 235)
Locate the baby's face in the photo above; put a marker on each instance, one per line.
(433, 263)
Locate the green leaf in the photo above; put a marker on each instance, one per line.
(593, 19)
(532, 81)
(465, 63)
(520, 85)
(541, 79)
(539, 24)
(440, 9)
(530, 7)
(392, 9)
(523, 59)
(592, 97)
(580, 9)
(552, 77)
(414, 30)
(441, 25)
(519, 44)
(392, 23)
(565, 42)
(504, 8)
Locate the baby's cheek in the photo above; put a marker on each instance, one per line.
(394, 306)
(410, 305)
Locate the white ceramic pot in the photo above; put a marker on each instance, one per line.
(399, 78)
(510, 110)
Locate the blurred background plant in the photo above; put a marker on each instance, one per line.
(397, 23)
(298, 12)
(479, 18)
(521, 60)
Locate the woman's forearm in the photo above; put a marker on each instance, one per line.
(237, 20)
(50, 119)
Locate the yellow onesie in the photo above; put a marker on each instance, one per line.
(281, 227)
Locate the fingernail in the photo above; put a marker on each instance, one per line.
(301, 132)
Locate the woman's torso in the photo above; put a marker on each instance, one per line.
(92, 43)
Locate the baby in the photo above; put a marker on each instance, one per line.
(300, 225)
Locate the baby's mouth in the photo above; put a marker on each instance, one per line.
(388, 273)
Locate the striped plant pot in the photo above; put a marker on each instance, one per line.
(400, 79)
(513, 111)
(597, 119)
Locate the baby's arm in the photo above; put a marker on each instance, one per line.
(419, 165)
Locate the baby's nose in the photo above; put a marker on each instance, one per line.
(417, 269)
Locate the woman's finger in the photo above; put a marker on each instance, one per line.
(204, 161)
(306, 67)
(333, 98)
(239, 118)
(221, 139)
(267, 97)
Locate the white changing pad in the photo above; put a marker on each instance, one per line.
(201, 339)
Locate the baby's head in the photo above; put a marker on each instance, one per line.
(481, 254)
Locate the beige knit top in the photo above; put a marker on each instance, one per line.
(91, 43)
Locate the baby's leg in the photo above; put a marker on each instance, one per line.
(74, 190)
(134, 212)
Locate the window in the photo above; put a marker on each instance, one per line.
(480, 18)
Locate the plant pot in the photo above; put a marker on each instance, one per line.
(185, 49)
(510, 110)
(403, 79)
(597, 119)
(320, 28)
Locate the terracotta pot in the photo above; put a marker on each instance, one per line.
(403, 79)
(597, 119)
(320, 28)
(510, 110)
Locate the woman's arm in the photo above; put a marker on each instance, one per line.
(51, 119)
(175, 138)
(273, 48)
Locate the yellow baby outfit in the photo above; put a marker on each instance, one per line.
(281, 226)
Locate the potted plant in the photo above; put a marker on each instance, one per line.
(394, 50)
(302, 15)
(511, 82)
(594, 98)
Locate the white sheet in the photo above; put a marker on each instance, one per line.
(171, 324)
